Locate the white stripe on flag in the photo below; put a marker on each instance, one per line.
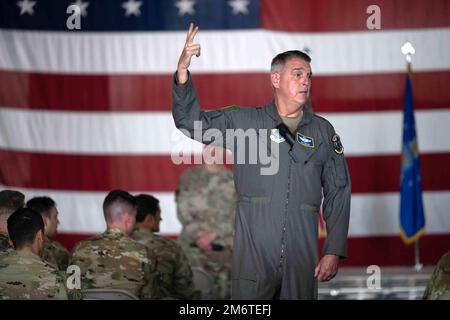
(379, 214)
(222, 51)
(81, 212)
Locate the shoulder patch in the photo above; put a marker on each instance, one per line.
(337, 144)
(230, 108)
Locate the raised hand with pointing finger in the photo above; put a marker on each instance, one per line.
(189, 49)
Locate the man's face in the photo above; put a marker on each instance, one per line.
(294, 82)
(39, 240)
(158, 220)
(130, 221)
(51, 222)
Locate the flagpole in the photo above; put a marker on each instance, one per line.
(417, 266)
(408, 51)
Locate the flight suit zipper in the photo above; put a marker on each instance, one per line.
(283, 233)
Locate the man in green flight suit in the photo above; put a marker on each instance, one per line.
(275, 254)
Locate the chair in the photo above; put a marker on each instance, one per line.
(203, 282)
(107, 294)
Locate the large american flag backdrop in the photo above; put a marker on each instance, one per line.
(86, 111)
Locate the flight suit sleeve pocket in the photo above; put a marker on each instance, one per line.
(340, 171)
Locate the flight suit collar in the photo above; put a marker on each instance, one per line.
(307, 117)
(299, 153)
(272, 111)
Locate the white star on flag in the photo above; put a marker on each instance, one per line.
(132, 7)
(83, 6)
(239, 6)
(185, 7)
(26, 6)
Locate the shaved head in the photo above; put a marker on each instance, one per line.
(118, 203)
(10, 201)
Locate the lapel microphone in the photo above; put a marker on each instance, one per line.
(284, 131)
(286, 134)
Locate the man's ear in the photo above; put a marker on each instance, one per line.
(128, 218)
(46, 220)
(150, 220)
(40, 235)
(275, 79)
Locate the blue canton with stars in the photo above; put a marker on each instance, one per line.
(131, 15)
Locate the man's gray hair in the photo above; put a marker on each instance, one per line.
(280, 59)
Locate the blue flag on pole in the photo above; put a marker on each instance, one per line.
(412, 219)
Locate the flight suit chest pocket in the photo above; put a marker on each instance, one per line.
(340, 171)
(310, 155)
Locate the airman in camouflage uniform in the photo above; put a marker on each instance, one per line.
(172, 267)
(23, 275)
(206, 200)
(54, 253)
(113, 260)
(10, 201)
(438, 287)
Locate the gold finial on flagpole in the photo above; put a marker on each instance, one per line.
(408, 50)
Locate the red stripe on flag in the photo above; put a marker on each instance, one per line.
(372, 174)
(350, 93)
(391, 251)
(350, 15)
(369, 174)
(88, 172)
